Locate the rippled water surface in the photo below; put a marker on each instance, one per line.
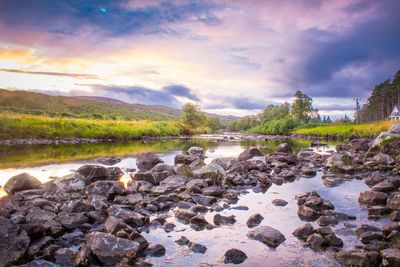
(48, 161)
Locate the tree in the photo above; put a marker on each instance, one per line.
(214, 123)
(192, 117)
(272, 112)
(302, 108)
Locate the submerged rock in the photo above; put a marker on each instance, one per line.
(219, 219)
(267, 235)
(279, 202)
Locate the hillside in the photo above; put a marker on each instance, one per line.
(86, 107)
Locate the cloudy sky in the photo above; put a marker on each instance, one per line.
(230, 56)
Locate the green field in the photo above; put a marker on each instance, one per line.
(345, 130)
(17, 126)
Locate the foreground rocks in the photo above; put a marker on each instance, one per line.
(267, 235)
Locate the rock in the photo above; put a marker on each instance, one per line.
(147, 160)
(146, 176)
(197, 248)
(38, 245)
(161, 171)
(182, 241)
(131, 199)
(327, 220)
(107, 189)
(114, 225)
(175, 181)
(360, 144)
(226, 220)
(128, 216)
(226, 162)
(304, 231)
(395, 216)
(264, 179)
(308, 171)
(77, 206)
(213, 172)
(359, 258)
(198, 222)
(283, 148)
(372, 198)
(267, 235)
(184, 215)
(155, 250)
(214, 191)
(39, 263)
(92, 173)
(39, 216)
(383, 159)
(250, 153)
(254, 220)
(109, 161)
(72, 220)
(307, 214)
(195, 151)
(384, 186)
(340, 163)
(185, 159)
(394, 201)
(279, 202)
(369, 236)
(390, 257)
(110, 249)
(200, 183)
(14, 242)
(333, 240)
(234, 256)
(315, 241)
(21, 182)
(83, 257)
(64, 257)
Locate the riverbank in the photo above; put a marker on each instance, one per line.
(344, 130)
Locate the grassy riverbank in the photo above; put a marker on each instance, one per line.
(16, 126)
(345, 130)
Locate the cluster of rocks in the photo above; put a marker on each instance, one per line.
(90, 217)
(319, 238)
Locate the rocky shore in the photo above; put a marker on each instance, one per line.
(90, 218)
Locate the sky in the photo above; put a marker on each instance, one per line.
(229, 56)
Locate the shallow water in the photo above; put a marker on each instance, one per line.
(218, 240)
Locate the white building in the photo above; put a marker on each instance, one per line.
(395, 115)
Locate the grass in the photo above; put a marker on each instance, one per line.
(345, 130)
(17, 126)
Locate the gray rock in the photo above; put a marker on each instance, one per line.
(195, 151)
(110, 249)
(372, 198)
(304, 231)
(279, 202)
(394, 201)
(64, 257)
(359, 258)
(390, 257)
(250, 153)
(212, 172)
(155, 250)
(109, 161)
(161, 171)
(92, 173)
(185, 159)
(224, 220)
(106, 189)
(72, 220)
(327, 220)
(283, 148)
(21, 182)
(147, 160)
(14, 242)
(315, 241)
(197, 248)
(267, 235)
(226, 162)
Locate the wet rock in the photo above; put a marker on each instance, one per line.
(110, 249)
(340, 163)
(377, 211)
(359, 258)
(174, 181)
(315, 241)
(182, 241)
(147, 160)
(224, 220)
(279, 202)
(267, 235)
(39, 263)
(195, 151)
(264, 179)
(213, 172)
(198, 222)
(360, 144)
(154, 250)
(72, 220)
(250, 153)
(308, 171)
(77, 206)
(390, 257)
(106, 189)
(372, 198)
(383, 159)
(234, 256)
(114, 225)
(92, 173)
(283, 148)
(184, 159)
(384, 186)
(333, 240)
(327, 220)
(161, 171)
(369, 236)
(128, 216)
(109, 161)
(395, 216)
(226, 162)
(146, 176)
(214, 191)
(64, 257)
(304, 231)
(200, 183)
(307, 214)
(197, 248)
(184, 215)
(14, 242)
(394, 201)
(254, 220)
(21, 182)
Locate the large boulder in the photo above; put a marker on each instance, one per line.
(372, 198)
(394, 201)
(359, 257)
(106, 189)
(226, 162)
(213, 172)
(110, 249)
(234, 256)
(92, 173)
(21, 182)
(161, 171)
(390, 257)
(383, 159)
(185, 159)
(360, 144)
(267, 235)
(340, 163)
(147, 160)
(250, 153)
(14, 242)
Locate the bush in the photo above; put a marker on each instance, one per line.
(282, 126)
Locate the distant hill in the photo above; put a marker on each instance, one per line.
(87, 107)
